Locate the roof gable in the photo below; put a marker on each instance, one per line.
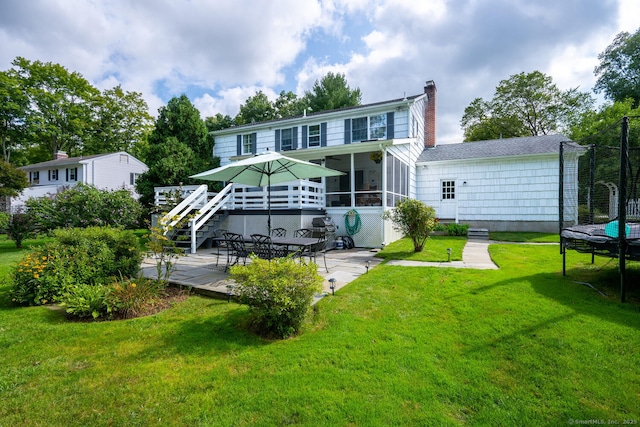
(522, 146)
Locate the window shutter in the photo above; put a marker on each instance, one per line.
(67, 174)
(254, 142)
(347, 131)
(305, 140)
(239, 145)
(130, 178)
(49, 171)
(390, 130)
(278, 140)
(294, 135)
(323, 134)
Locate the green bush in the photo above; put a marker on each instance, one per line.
(279, 293)
(21, 227)
(130, 298)
(457, 229)
(84, 301)
(92, 256)
(84, 206)
(413, 219)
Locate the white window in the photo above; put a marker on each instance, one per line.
(133, 177)
(53, 174)
(314, 136)
(448, 190)
(35, 177)
(247, 143)
(124, 158)
(366, 128)
(72, 174)
(286, 139)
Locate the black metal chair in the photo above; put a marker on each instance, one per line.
(312, 251)
(219, 241)
(237, 248)
(303, 232)
(264, 248)
(279, 232)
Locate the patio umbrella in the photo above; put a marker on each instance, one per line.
(266, 169)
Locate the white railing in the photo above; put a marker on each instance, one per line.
(161, 193)
(206, 212)
(633, 208)
(298, 195)
(195, 200)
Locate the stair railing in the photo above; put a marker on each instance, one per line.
(206, 212)
(193, 201)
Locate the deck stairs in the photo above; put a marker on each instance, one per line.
(478, 233)
(196, 218)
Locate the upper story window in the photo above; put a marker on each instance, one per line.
(314, 136)
(378, 126)
(124, 158)
(287, 140)
(247, 143)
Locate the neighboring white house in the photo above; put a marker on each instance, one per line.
(388, 151)
(105, 171)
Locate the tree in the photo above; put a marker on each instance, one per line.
(12, 180)
(619, 69)
(121, 123)
(332, 92)
(414, 219)
(257, 108)
(289, 105)
(13, 113)
(60, 105)
(524, 104)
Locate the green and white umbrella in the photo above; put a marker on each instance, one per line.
(266, 169)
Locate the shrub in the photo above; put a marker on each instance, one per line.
(85, 206)
(279, 293)
(4, 221)
(414, 219)
(84, 301)
(92, 256)
(20, 227)
(130, 298)
(457, 229)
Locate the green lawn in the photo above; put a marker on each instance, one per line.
(522, 345)
(528, 237)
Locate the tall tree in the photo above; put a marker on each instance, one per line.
(60, 105)
(331, 92)
(13, 113)
(179, 146)
(257, 108)
(12, 180)
(524, 104)
(289, 105)
(121, 123)
(619, 69)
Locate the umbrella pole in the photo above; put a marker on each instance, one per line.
(269, 210)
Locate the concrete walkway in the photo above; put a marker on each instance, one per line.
(201, 271)
(474, 255)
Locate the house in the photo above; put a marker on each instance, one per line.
(387, 151)
(105, 171)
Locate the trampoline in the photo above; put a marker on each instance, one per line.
(602, 240)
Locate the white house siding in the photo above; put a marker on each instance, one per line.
(113, 171)
(509, 193)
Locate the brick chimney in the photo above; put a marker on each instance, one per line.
(60, 155)
(430, 115)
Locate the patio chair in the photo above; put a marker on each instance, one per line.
(264, 248)
(303, 232)
(312, 251)
(219, 241)
(235, 248)
(279, 232)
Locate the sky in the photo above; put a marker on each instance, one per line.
(220, 52)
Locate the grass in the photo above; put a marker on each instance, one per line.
(434, 250)
(524, 237)
(522, 345)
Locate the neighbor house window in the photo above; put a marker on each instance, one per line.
(286, 142)
(372, 127)
(133, 177)
(34, 177)
(247, 143)
(53, 174)
(314, 136)
(448, 190)
(72, 174)
(124, 158)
